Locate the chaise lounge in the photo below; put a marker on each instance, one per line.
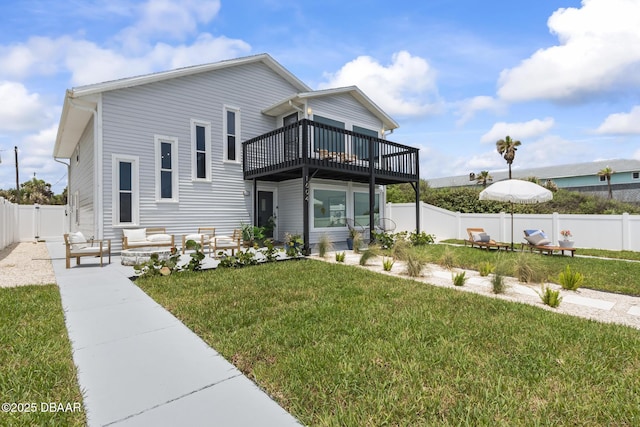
(537, 240)
(478, 237)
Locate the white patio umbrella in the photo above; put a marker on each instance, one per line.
(516, 191)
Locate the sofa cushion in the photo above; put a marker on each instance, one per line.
(135, 235)
(535, 232)
(159, 238)
(197, 237)
(78, 241)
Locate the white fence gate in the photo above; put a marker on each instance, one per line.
(25, 223)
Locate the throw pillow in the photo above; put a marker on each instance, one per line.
(537, 240)
(136, 235)
(78, 241)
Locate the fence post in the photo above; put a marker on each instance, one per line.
(555, 226)
(626, 232)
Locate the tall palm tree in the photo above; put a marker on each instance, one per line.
(607, 172)
(507, 149)
(483, 177)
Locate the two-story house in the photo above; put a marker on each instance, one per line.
(227, 143)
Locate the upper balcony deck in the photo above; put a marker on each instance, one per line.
(330, 153)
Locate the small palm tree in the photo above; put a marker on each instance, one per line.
(507, 149)
(607, 172)
(483, 178)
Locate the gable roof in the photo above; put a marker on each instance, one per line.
(80, 102)
(547, 172)
(284, 105)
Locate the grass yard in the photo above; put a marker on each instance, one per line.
(342, 346)
(35, 356)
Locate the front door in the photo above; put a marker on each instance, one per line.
(265, 211)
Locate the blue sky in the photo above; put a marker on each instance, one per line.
(563, 77)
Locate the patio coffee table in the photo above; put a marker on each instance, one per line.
(140, 255)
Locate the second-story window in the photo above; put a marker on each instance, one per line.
(201, 150)
(166, 168)
(231, 134)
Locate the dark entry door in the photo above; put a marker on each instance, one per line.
(265, 211)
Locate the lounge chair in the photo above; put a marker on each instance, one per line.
(538, 241)
(478, 237)
(78, 246)
(203, 237)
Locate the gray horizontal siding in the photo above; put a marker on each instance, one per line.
(131, 118)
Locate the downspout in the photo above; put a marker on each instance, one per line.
(67, 212)
(97, 159)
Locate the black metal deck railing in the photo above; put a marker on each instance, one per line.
(339, 153)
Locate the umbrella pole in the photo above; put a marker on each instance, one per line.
(511, 226)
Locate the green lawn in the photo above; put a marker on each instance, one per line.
(342, 346)
(35, 356)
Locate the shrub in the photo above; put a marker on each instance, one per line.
(324, 245)
(340, 256)
(387, 264)
(448, 259)
(357, 242)
(497, 284)
(242, 259)
(269, 251)
(459, 279)
(570, 280)
(420, 239)
(550, 297)
(528, 268)
(486, 268)
(401, 250)
(415, 264)
(371, 252)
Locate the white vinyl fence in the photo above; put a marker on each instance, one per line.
(613, 232)
(25, 223)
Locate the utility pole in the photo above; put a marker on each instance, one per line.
(17, 178)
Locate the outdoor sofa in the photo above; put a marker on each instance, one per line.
(78, 246)
(146, 237)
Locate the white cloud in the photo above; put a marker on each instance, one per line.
(596, 54)
(518, 131)
(19, 109)
(548, 150)
(167, 20)
(401, 88)
(622, 123)
(469, 107)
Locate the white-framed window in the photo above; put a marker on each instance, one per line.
(201, 150)
(603, 178)
(125, 189)
(329, 207)
(361, 208)
(635, 175)
(231, 134)
(166, 168)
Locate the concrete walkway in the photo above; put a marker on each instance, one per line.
(140, 366)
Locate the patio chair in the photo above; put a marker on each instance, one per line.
(226, 242)
(478, 237)
(78, 246)
(203, 237)
(385, 225)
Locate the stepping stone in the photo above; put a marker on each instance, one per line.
(634, 311)
(589, 302)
